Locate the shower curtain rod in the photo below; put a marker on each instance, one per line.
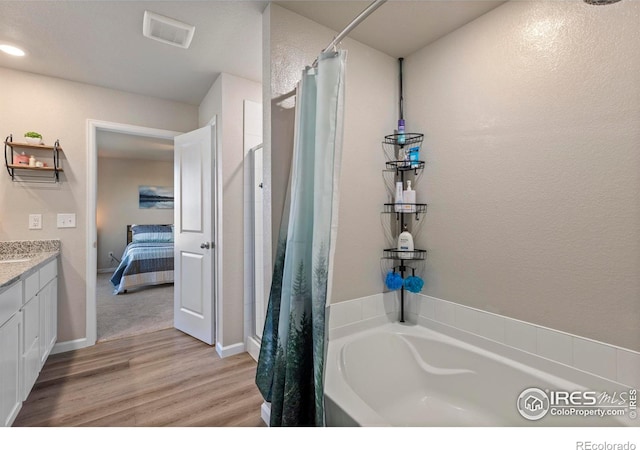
(354, 23)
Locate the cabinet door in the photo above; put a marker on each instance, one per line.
(42, 343)
(10, 394)
(52, 331)
(48, 319)
(30, 344)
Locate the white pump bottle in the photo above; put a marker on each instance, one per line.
(409, 199)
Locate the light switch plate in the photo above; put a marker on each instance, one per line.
(35, 221)
(67, 220)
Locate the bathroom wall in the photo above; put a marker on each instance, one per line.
(118, 205)
(211, 104)
(531, 116)
(59, 109)
(226, 100)
(371, 106)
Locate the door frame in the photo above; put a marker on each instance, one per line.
(93, 126)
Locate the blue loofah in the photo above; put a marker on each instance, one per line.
(413, 284)
(393, 281)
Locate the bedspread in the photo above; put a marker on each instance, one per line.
(144, 264)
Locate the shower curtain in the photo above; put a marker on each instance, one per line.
(290, 370)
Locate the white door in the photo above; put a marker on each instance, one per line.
(194, 161)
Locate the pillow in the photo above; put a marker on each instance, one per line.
(152, 233)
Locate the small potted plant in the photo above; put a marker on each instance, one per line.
(33, 138)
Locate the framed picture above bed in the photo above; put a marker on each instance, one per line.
(155, 197)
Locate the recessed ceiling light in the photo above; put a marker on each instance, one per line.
(11, 50)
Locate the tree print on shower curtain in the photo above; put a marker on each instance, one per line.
(290, 372)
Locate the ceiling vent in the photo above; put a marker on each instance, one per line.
(167, 30)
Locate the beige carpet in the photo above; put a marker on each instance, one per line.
(136, 312)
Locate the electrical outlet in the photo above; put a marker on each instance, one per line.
(35, 221)
(66, 220)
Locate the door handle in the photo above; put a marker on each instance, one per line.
(204, 245)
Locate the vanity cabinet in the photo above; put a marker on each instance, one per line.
(10, 353)
(28, 332)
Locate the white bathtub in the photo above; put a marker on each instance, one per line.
(408, 375)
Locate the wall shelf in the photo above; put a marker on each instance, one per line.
(37, 169)
(409, 139)
(405, 255)
(50, 174)
(24, 145)
(403, 166)
(405, 208)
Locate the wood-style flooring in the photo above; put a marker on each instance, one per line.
(164, 378)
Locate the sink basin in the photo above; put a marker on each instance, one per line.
(16, 260)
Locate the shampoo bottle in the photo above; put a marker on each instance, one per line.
(401, 136)
(399, 197)
(405, 244)
(409, 199)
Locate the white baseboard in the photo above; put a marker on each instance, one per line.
(229, 350)
(253, 348)
(67, 346)
(14, 414)
(107, 270)
(265, 412)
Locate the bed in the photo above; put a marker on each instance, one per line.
(147, 260)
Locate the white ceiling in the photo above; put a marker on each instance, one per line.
(120, 145)
(398, 28)
(101, 43)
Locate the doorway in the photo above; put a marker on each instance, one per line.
(134, 288)
(94, 130)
